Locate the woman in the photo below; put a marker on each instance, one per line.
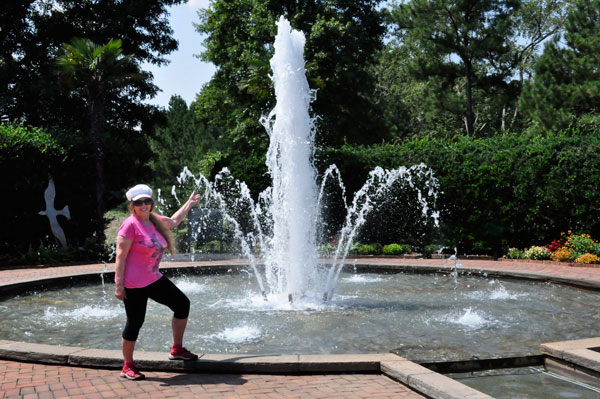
(141, 242)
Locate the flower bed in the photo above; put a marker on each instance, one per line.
(575, 250)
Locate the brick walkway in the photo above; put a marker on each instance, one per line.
(550, 271)
(25, 380)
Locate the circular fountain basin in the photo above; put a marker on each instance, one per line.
(421, 317)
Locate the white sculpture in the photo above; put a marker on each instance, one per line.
(52, 213)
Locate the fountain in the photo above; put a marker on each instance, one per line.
(287, 300)
(285, 222)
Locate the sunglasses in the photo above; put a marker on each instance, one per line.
(147, 201)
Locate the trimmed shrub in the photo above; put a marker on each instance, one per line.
(365, 249)
(396, 249)
(515, 253)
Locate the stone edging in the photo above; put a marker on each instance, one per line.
(420, 379)
(578, 359)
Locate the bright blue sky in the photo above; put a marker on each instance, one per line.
(185, 74)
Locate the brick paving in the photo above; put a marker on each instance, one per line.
(27, 380)
(591, 273)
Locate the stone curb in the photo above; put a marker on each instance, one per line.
(550, 262)
(580, 352)
(578, 360)
(427, 382)
(420, 379)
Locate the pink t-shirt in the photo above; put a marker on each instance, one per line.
(147, 248)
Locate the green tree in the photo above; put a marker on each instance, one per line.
(566, 83)
(183, 141)
(342, 38)
(413, 106)
(32, 37)
(97, 70)
(463, 43)
(33, 33)
(536, 21)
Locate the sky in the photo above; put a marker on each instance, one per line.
(185, 74)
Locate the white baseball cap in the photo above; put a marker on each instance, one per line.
(139, 191)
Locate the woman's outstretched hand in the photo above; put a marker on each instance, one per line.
(194, 199)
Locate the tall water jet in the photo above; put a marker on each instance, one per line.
(292, 256)
(282, 227)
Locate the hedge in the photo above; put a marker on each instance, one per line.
(499, 192)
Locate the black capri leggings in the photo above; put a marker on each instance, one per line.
(162, 291)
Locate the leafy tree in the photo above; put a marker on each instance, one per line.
(183, 141)
(465, 44)
(96, 70)
(36, 31)
(342, 38)
(567, 80)
(536, 21)
(32, 36)
(413, 106)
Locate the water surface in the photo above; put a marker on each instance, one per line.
(421, 317)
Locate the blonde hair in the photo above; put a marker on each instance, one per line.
(160, 227)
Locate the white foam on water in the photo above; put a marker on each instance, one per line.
(471, 319)
(275, 303)
(361, 278)
(499, 293)
(88, 312)
(502, 293)
(188, 286)
(238, 335)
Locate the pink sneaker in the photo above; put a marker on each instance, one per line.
(131, 373)
(181, 353)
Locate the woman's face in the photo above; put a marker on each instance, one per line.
(142, 207)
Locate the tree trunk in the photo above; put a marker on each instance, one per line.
(96, 109)
(469, 103)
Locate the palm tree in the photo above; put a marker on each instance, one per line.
(97, 70)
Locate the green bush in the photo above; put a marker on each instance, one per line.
(32, 155)
(215, 247)
(515, 253)
(365, 249)
(396, 249)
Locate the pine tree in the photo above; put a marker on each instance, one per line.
(463, 43)
(566, 83)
